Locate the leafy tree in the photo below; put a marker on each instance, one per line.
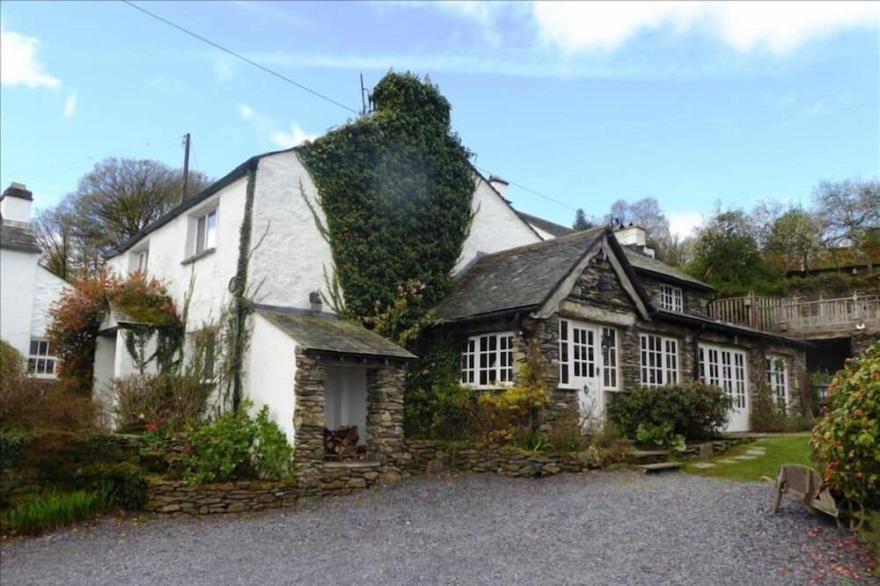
(794, 238)
(580, 220)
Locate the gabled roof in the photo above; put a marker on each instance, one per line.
(325, 333)
(18, 236)
(517, 279)
(545, 225)
(647, 264)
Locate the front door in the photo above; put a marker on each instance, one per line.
(726, 368)
(586, 369)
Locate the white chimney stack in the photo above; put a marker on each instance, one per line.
(634, 237)
(15, 203)
(500, 185)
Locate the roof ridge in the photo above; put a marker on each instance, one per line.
(540, 244)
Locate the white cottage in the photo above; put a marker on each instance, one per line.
(27, 290)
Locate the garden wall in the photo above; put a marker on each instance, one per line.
(429, 456)
(176, 496)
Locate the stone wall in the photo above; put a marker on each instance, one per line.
(861, 342)
(176, 496)
(428, 456)
(695, 301)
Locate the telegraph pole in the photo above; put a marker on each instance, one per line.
(186, 141)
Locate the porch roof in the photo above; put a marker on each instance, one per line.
(519, 278)
(327, 333)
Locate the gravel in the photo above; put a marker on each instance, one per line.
(598, 528)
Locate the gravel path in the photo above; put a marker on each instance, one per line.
(618, 528)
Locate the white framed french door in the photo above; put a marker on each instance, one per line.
(727, 368)
(581, 365)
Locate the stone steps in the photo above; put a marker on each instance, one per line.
(660, 467)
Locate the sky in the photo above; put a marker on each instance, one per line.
(577, 105)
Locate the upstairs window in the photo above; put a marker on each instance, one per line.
(659, 360)
(140, 260)
(777, 381)
(487, 361)
(206, 231)
(671, 298)
(41, 361)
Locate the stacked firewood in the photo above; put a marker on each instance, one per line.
(341, 442)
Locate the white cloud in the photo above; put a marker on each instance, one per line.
(19, 65)
(295, 137)
(246, 111)
(684, 224)
(777, 26)
(70, 106)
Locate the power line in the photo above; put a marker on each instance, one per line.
(532, 191)
(240, 56)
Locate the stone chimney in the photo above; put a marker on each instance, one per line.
(15, 203)
(315, 301)
(499, 184)
(634, 237)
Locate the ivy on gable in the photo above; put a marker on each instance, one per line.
(396, 190)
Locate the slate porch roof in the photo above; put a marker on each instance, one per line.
(18, 236)
(327, 333)
(519, 278)
(644, 263)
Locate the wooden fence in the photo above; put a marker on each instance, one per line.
(792, 315)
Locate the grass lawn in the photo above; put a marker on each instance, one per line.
(794, 449)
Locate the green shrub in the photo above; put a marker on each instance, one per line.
(236, 446)
(122, 484)
(165, 401)
(52, 511)
(766, 416)
(846, 440)
(660, 436)
(443, 412)
(13, 442)
(566, 435)
(692, 410)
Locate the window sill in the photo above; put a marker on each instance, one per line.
(199, 256)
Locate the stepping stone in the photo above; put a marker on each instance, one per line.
(756, 452)
(727, 461)
(660, 467)
(704, 465)
(743, 457)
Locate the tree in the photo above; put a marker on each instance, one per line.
(794, 238)
(580, 220)
(849, 209)
(113, 202)
(726, 254)
(646, 213)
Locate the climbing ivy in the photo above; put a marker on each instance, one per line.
(395, 188)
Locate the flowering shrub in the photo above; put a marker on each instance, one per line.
(846, 440)
(170, 402)
(692, 410)
(76, 317)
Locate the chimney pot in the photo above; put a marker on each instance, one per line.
(315, 301)
(15, 203)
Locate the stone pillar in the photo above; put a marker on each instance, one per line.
(861, 342)
(385, 439)
(308, 422)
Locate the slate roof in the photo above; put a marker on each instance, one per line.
(519, 278)
(545, 225)
(18, 236)
(644, 263)
(327, 333)
(727, 327)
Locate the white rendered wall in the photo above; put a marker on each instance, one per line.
(17, 279)
(47, 289)
(293, 257)
(270, 367)
(104, 371)
(345, 399)
(495, 227)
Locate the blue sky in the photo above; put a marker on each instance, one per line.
(693, 104)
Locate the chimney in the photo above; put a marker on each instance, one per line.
(15, 203)
(315, 301)
(634, 237)
(500, 185)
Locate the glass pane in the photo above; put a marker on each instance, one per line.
(211, 237)
(35, 345)
(200, 235)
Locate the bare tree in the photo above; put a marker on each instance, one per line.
(848, 209)
(646, 213)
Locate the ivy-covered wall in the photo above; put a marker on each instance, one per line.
(396, 189)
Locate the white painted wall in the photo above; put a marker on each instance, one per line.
(47, 289)
(105, 361)
(18, 273)
(345, 399)
(542, 233)
(270, 368)
(293, 257)
(495, 227)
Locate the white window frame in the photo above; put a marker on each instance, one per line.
(141, 260)
(778, 381)
(487, 361)
(41, 362)
(610, 344)
(579, 361)
(658, 360)
(725, 367)
(671, 298)
(205, 231)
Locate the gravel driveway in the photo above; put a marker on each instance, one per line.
(599, 528)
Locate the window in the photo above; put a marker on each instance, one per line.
(586, 352)
(141, 258)
(671, 298)
(777, 380)
(487, 361)
(41, 362)
(725, 368)
(206, 232)
(609, 358)
(659, 360)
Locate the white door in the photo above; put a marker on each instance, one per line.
(726, 368)
(586, 359)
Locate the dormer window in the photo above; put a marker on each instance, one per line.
(206, 231)
(671, 298)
